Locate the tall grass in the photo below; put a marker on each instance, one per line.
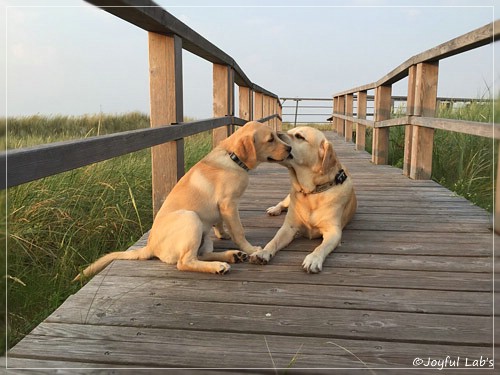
(60, 223)
(462, 163)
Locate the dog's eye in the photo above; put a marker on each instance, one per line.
(299, 136)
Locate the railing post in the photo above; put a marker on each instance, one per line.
(165, 87)
(265, 107)
(223, 99)
(348, 112)
(279, 126)
(258, 106)
(410, 111)
(361, 129)
(335, 111)
(380, 149)
(425, 105)
(341, 110)
(497, 199)
(244, 102)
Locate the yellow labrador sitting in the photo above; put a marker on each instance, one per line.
(207, 196)
(321, 202)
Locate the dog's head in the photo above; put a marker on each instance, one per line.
(310, 150)
(255, 143)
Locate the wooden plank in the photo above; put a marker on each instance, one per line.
(32, 163)
(209, 349)
(164, 91)
(221, 99)
(278, 320)
(383, 278)
(360, 128)
(334, 112)
(480, 129)
(425, 105)
(348, 112)
(380, 149)
(288, 294)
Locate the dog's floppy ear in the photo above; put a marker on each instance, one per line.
(328, 156)
(245, 150)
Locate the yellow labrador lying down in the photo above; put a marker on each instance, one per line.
(321, 202)
(207, 195)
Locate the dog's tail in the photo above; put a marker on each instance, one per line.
(138, 254)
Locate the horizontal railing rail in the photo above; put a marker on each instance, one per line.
(167, 37)
(32, 163)
(421, 105)
(148, 16)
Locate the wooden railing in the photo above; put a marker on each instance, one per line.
(419, 121)
(167, 36)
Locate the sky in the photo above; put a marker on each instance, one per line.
(71, 58)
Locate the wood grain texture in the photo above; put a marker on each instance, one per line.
(221, 100)
(164, 94)
(361, 128)
(412, 278)
(380, 149)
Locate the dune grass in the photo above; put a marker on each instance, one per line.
(58, 224)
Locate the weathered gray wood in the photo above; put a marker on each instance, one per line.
(279, 320)
(209, 345)
(32, 163)
(411, 279)
(474, 39)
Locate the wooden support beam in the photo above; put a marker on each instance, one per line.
(223, 99)
(165, 86)
(280, 112)
(244, 102)
(258, 99)
(341, 110)
(265, 108)
(360, 128)
(425, 105)
(410, 111)
(380, 149)
(497, 199)
(334, 112)
(348, 112)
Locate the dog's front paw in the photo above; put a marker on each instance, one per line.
(274, 210)
(312, 263)
(261, 257)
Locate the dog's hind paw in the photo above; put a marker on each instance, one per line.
(223, 268)
(239, 257)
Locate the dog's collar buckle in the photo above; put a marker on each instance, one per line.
(339, 179)
(237, 160)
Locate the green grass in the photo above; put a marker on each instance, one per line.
(58, 224)
(462, 163)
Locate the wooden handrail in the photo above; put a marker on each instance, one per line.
(151, 17)
(474, 39)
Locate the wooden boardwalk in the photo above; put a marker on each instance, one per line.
(412, 279)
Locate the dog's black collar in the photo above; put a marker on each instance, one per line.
(339, 179)
(237, 160)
